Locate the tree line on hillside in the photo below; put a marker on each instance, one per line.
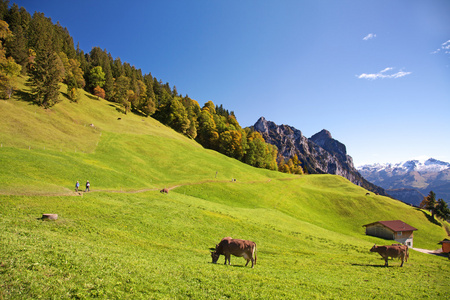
(32, 45)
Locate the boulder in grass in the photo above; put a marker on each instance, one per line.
(49, 216)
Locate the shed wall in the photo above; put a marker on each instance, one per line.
(446, 247)
(379, 230)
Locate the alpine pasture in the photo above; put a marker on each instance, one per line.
(126, 240)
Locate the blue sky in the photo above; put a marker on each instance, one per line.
(376, 74)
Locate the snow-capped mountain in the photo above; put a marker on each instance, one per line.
(410, 181)
(429, 165)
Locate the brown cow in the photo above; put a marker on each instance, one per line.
(390, 251)
(164, 191)
(403, 246)
(237, 247)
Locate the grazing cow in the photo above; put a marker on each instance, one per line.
(237, 247)
(390, 251)
(164, 190)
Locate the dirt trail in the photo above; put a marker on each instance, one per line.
(433, 252)
(81, 192)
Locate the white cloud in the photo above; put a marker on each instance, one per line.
(387, 69)
(385, 73)
(369, 36)
(445, 47)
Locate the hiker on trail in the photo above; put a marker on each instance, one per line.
(87, 186)
(77, 185)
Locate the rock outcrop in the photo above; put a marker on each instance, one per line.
(320, 154)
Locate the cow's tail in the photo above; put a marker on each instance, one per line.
(254, 253)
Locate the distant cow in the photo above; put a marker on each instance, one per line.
(237, 247)
(390, 251)
(164, 190)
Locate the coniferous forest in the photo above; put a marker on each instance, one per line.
(44, 52)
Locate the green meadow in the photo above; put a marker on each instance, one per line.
(126, 240)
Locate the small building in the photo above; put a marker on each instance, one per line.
(445, 246)
(392, 230)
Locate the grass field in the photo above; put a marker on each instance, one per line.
(126, 240)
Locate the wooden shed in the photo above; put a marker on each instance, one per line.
(392, 230)
(445, 246)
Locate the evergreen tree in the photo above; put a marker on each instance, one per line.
(442, 210)
(429, 203)
(121, 92)
(45, 76)
(18, 19)
(4, 4)
(117, 68)
(40, 34)
(148, 107)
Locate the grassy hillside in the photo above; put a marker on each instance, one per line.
(125, 240)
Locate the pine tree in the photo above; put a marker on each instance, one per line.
(121, 94)
(45, 76)
(442, 210)
(429, 203)
(40, 34)
(16, 47)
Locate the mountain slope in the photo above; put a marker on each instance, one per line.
(320, 154)
(126, 240)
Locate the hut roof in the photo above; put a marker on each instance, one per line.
(395, 225)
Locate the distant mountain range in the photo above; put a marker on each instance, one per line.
(320, 154)
(410, 181)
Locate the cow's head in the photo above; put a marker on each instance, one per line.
(214, 256)
(373, 249)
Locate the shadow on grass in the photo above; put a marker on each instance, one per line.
(430, 218)
(24, 96)
(118, 108)
(92, 97)
(372, 265)
(232, 266)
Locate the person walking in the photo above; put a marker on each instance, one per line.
(87, 186)
(77, 185)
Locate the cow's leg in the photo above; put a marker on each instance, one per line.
(248, 261)
(227, 256)
(402, 256)
(252, 262)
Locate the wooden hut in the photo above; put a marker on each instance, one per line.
(445, 246)
(392, 230)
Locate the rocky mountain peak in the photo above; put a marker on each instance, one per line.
(262, 125)
(322, 135)
(320, 154)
